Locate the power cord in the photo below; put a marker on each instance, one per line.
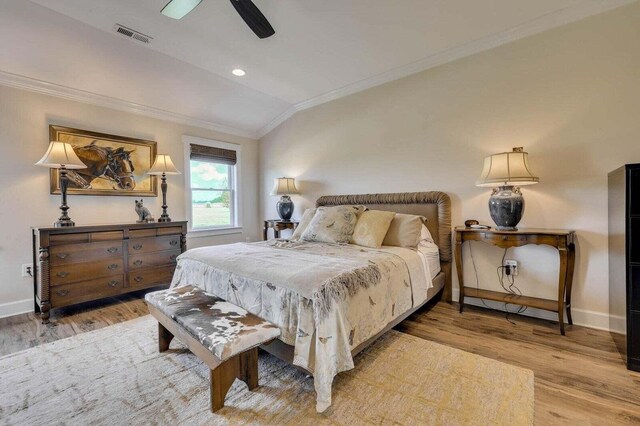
(510, 287)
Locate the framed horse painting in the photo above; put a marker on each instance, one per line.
(116, 165)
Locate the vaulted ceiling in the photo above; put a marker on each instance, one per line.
(321, 50)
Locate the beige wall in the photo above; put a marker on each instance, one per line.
(570, 96)
(24, 193)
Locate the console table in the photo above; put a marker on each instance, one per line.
(563, 240)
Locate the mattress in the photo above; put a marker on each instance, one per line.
(431, 254)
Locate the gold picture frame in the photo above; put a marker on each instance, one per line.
(117, 165)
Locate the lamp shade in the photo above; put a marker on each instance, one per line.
(507, 169)
(163, 164)
(61, 154)
(284, 186)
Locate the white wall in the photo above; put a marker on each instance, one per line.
(570, 96)
(24, 194)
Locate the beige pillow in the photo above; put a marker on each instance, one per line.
(332, 224)
(404, 231)
(304, 222)
(371, 228)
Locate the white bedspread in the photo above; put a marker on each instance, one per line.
(285, 283)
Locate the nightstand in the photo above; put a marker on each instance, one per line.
(562, 240)
(278, 225)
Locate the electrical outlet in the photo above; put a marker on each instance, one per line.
(513, 266)
(27, 270)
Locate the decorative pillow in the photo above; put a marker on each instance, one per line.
(332, 224)
(371, 228)
(425, 235)
(404, 231)
(304, 222)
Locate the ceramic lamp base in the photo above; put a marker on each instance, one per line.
(285, 207)
(64, 223)
(506, 206)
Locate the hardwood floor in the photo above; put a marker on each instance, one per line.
(579, 378)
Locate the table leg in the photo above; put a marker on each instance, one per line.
(562, 282)
(458, 257)
(276, 233)
(569, 281)
(264, 233)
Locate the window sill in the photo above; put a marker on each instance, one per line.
(202, 233)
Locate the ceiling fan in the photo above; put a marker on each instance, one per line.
(248, 11)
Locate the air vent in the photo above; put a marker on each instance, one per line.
(129, 33)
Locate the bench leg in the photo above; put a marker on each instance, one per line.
(249, 368)
(243, 366)
(164, 338)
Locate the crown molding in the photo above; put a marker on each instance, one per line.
(535, 26)
(69, 93)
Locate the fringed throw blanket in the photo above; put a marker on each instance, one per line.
(325, 298)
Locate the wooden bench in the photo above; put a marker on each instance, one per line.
(221, 334)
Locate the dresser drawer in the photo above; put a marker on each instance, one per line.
(86, 237)
(150, 277)
(171, 230)
(148, 245)
(64, 274)
(147, 260)
(82, 291)
(85, 252)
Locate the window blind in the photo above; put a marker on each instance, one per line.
(209, 153)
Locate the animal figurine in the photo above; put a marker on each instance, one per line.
(144, 214)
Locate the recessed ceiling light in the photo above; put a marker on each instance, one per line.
(238, 72)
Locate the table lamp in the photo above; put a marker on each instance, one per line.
(60, 155)
(284, 186)
(506, 171)
(163, 166)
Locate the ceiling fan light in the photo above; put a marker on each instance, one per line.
(177, 9)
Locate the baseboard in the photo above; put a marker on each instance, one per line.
(582, 317)
(15, 308)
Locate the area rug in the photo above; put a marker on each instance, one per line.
(115, 376)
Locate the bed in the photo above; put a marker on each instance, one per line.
(330, 301)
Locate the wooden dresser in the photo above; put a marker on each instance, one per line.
(84, 263)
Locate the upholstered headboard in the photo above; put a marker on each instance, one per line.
(434, 205)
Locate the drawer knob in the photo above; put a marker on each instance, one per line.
(137, 246)
(138, 262)
(112, 250)
(504, 238)
(62, 293)
(112, 266)
(113, 283)
(173, 242)
(138, 279)
(62, 255)
(62, 274)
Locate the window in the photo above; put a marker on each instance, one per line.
(212, 184)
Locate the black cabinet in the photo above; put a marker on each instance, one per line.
(624, 262)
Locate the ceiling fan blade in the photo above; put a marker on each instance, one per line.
(177, 9)
(250, 13)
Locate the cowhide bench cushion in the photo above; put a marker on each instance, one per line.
(223, 335)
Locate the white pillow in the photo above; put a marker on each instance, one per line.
(425, 235)
(305, 220)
